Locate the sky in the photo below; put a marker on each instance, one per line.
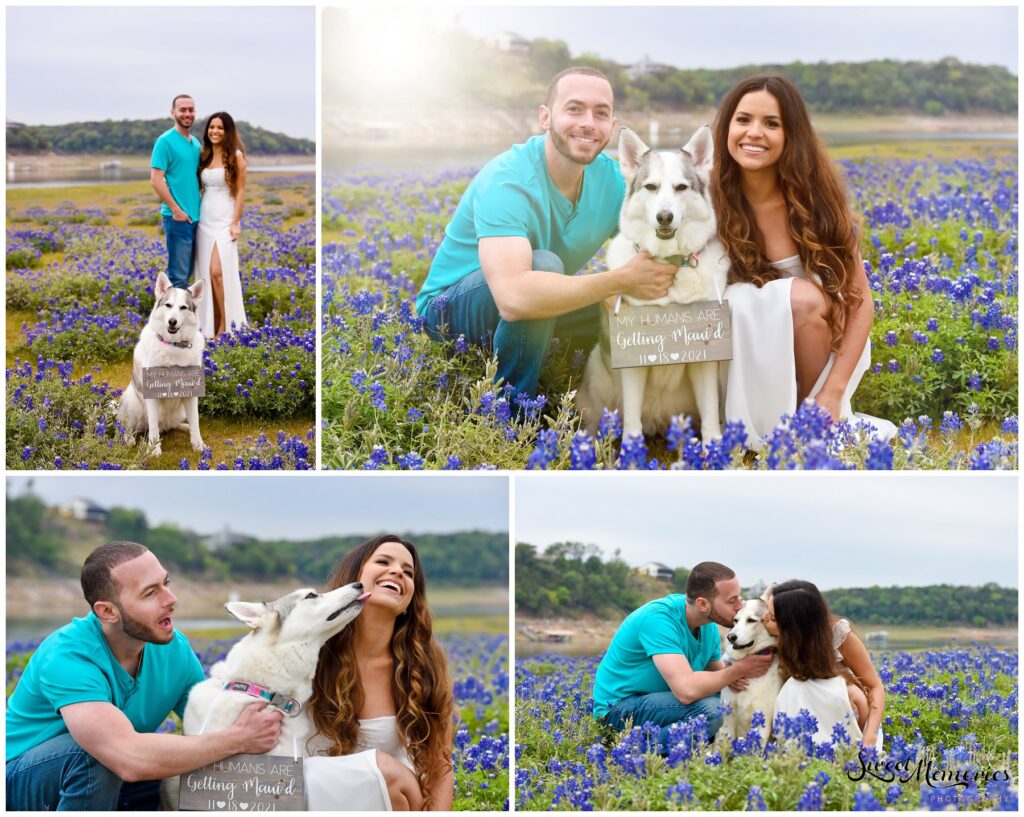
(256, 63)
(692, 36)
(836, 530)
(293, 507)
(728, 36)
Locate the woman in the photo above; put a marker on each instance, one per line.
(801, 304)
(382, 696)
(222, 171)
(828, 667)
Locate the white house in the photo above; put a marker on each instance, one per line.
(509, 41)
(84, 509)
(658, 571)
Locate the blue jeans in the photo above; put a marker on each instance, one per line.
(181, 250)
(467, 308)
(664, 709)
(59, 775)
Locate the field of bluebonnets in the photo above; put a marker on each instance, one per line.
(951, 718)
(480, 670)
(940, 248)
(81, 267)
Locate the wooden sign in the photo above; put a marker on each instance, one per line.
(244, 783)
(667, 335)
(173, 381)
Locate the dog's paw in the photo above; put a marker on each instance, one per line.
(154, 449)
(198, 444)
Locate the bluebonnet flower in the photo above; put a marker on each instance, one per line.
(811, 799)
(755, 800)
(582, 454)
(937, 356)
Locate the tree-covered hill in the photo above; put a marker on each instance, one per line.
(571, 579)
(41, 542)
(131, 137)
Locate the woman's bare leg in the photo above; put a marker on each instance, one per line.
(217, 291)
(403, 788)
(859, 701)
(812, 337)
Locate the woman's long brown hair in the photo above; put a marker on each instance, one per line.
(819, 217)
(230, 145)
(420, 684)
(805, 631)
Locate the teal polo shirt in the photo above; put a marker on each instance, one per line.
(513, 195)
(74, 665)
(178, 158)
(657, 628)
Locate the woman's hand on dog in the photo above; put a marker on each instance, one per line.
(259, 728)
(739, 685)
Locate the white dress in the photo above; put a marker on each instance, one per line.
(216, 211)
(827, 699)
(760, 380)
(353, 782)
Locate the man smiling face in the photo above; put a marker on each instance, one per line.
(579, 119)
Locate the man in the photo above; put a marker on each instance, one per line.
(665, 661)
(80, 723)
(533, 213)
(173, 174)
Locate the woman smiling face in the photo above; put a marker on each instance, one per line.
(215, 130)
(389, 575)
(756, 133)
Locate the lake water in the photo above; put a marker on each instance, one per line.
(906, 641)
(69, 177)
(433, 158)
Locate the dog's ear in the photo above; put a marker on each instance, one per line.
(250, 613)
(767, 593)
(631, 151)
(163, 283)
(198, 289)
(701, 148)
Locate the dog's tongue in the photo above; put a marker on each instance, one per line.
(364, 597)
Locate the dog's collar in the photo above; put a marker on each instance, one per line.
(182, 344)
(767, 651)
(691, 260)
(289, 706)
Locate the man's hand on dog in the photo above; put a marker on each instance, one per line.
(647, 279)
(259, 728)
(753, 666)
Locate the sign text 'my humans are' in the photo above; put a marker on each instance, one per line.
(173, 381)
(906, 770)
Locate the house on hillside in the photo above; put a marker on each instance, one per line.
(83, 509)
(646, 68)
(225, 538)
(509, 41)
(658, 571)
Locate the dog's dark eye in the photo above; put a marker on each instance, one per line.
(651, 187)
(681, 187)
(311, 595)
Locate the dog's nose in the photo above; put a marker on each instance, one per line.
(731, 638)
(172, 321)
(357, 585)
(665, 217)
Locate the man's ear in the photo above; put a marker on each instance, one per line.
(544, 117)
(106, 612)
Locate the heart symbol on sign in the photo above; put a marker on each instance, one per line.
(652, 358)
(221, 804)
(674, 355)
(243, 806)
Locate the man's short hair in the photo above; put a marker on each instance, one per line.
(174, 102)
(97, 582)
(582, 70)
(703, 578)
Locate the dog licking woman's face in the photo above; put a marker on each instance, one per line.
(389, 575)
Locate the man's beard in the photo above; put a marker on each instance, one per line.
(136, 629)
(182, 125)
(713, 615)
(562, 145)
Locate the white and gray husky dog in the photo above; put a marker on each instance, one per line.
(748, 636)
(667, 211)
(171, 337)
(275, 662)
